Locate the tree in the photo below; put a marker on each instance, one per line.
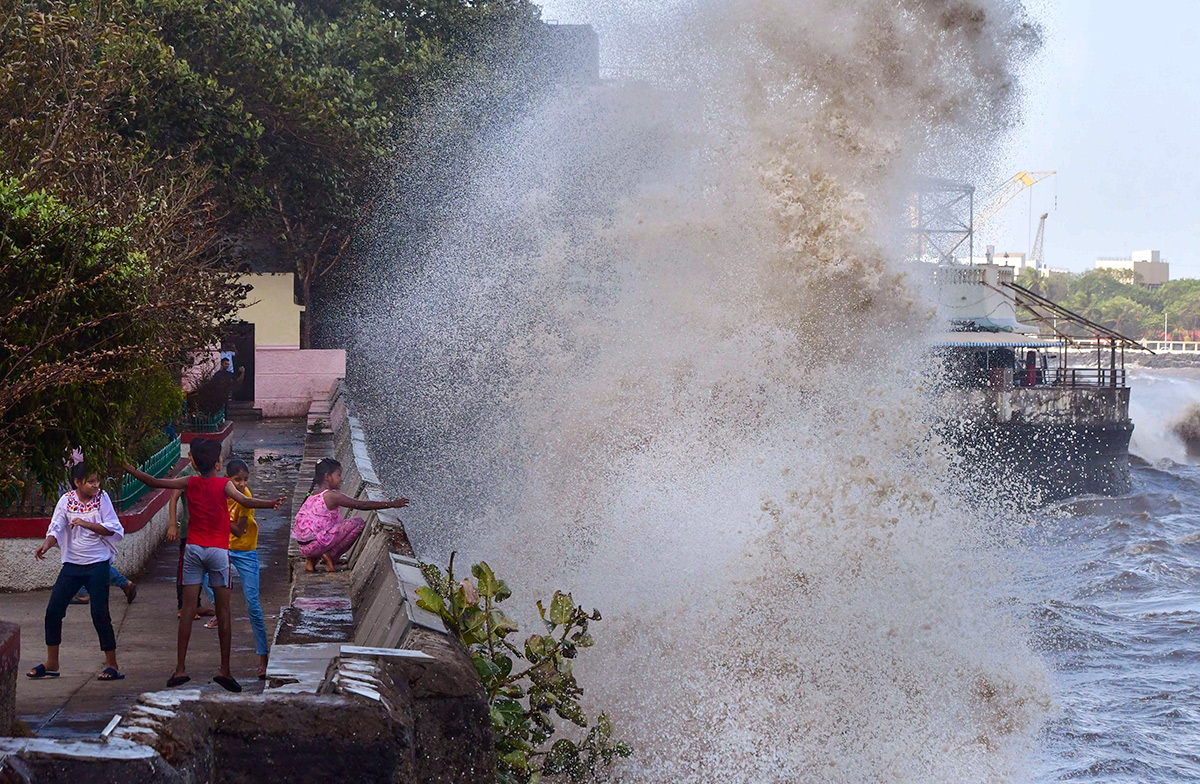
(1123, 314)
(327, 90)
(104, 247)
(94, 332)
(1183, 310)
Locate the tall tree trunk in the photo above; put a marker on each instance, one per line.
(306, 320)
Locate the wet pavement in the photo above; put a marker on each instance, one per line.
(76, 704)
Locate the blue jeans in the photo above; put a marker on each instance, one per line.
(114, 577)
(246, 563)
(71, 578)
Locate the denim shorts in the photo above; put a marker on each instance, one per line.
(199, 561)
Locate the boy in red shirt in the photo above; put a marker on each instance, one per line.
(207, 549)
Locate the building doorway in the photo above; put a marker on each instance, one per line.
(239, 342)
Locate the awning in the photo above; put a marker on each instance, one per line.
(991, 340)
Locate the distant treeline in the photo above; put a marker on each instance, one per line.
(148, 147)
(1122, 303)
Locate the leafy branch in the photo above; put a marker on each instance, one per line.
(527, 686)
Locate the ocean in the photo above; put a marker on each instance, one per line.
(1115, 608)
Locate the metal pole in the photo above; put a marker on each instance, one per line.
(1112, 361)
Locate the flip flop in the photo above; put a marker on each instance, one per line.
(228, 684)
(40, 671)
(79, 600)
(211, 623)
(110, 674)
(177, 680)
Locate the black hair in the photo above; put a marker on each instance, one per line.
(236, 466)
(206, 453)
(325, 467)
(80, 471)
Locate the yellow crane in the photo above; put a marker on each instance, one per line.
(1008, 191)
(1035, 258)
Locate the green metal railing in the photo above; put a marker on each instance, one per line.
(157, 466)
(26, 501)
(204, 423)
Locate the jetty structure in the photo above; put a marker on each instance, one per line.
(1042, 399)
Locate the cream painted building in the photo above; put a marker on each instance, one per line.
(1144, 266)
(271, 307)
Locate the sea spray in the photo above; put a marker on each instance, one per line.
(666, 355)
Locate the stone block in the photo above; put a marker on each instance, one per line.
(10, 662)
(46, 761)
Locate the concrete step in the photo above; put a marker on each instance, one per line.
(243, 411)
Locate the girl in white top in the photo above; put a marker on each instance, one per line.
(85, 527)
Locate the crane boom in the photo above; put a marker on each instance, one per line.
(1007, 192)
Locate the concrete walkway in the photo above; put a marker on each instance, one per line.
(76, 704)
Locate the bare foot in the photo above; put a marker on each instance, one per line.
(310, 565)
(330, 566)
(205, 611)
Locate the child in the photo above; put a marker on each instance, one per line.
(177, 516)
(320, 529)
(207, 549)
(85, 527)
(243, 555)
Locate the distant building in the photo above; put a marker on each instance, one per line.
(1144, 266)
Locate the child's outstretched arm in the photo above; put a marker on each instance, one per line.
(165, 483)
(55, 531)
(253, 503)
(336, 498)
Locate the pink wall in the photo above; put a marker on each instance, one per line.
(286, 378)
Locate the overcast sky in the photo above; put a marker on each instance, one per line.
(1112, 103)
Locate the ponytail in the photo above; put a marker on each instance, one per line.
(325, 467)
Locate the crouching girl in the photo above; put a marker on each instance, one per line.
(320, 529)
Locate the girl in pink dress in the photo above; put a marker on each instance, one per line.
(320, 529)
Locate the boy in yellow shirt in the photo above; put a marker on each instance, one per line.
(243, 556)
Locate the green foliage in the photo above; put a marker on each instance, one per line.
(527, 686)
(88, 332)
(1122, 304)
(297, 108)
(110, 279)
(146, 144)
